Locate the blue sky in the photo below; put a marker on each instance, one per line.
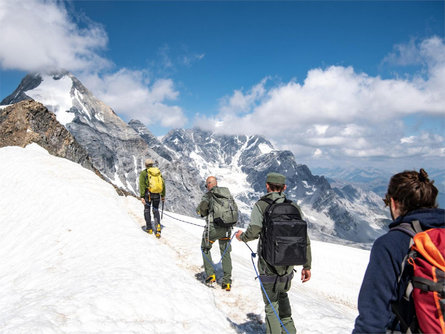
(351, 83)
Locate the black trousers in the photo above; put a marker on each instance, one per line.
(151, 201)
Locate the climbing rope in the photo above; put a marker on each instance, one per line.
(184, 221)
(205, 256)
(253, 255)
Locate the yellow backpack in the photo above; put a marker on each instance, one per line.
(155, 181)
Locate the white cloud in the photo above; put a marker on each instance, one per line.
(430, 52)
(240, 102)
(407, 140)
(189, 59)
(337, 111)
(40, 35)
(131, 95)
(317, 153)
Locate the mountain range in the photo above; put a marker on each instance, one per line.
(345, 213)
(377, 180)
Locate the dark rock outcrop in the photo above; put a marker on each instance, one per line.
(31, 122)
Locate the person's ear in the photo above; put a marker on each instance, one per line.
(395, 208)
(394, 205)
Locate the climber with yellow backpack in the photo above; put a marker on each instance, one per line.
(152, 192)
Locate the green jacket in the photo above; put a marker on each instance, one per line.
(254, 230)
(143, 184)
(204, 206)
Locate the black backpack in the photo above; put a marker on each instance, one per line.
(284, 235)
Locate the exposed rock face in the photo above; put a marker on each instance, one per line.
(152, 141)
(243, 162)
(31, 122)
(29, 82)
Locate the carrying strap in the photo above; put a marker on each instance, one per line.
(428, 285)
(410, 228)
(269, 201)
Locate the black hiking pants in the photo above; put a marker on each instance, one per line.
(151, 200)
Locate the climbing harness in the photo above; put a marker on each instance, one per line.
(253, 255)
(205, 256)
(224, 253)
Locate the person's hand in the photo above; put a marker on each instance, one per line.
(305, 275)
(238, 235)
(143, 200)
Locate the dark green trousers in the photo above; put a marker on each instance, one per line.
(222, 234)
(280, 302)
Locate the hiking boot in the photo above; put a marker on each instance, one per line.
(149, 231)
(158, 228)
(211, 279)
(226, 286)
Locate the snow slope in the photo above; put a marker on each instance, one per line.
(75, 260)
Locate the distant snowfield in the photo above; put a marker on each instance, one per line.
(75, 260)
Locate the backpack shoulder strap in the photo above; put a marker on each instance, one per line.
(269, 201)
(411, 228)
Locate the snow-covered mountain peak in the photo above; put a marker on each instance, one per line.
(54, 93)
(63, 94)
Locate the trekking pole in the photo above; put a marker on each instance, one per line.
(162, 212)
(207, 231)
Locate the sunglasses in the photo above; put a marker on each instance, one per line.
(387, 199)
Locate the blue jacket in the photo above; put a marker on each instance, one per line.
(379, 287)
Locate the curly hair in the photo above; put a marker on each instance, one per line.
(412, 190)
